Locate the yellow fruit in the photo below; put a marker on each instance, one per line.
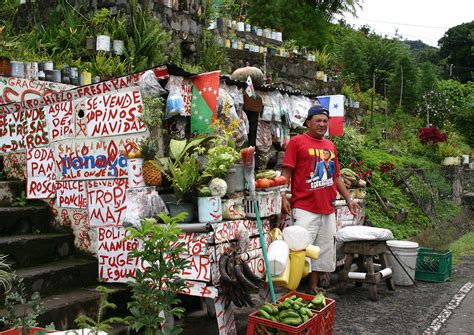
(152, 173)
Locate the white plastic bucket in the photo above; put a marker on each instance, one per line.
(406, 252)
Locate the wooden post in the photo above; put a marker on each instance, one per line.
(401, 89)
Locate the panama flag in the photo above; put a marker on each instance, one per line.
(250, 90)
(204, 101)
(335, 106)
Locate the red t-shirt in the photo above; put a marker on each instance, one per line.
(315, 170)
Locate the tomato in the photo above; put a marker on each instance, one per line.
(281, 180)
(257, 183)
(272, 182)
(264, 182)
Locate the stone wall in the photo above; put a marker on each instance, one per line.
(185, 20)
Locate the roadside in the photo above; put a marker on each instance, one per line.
(407, 310)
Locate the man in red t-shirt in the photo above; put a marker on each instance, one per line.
(312, 167)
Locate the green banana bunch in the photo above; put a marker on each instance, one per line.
(318, 302)
(269, 174)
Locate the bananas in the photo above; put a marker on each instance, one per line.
(237, 280)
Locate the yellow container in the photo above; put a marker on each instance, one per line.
(283, 278)
(297, 262)
(312, 251)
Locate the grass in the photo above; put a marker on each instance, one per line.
(464, 246)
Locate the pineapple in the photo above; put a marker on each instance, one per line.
(151, 169)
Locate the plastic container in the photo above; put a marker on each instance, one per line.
(406, 252)
(269, 203)
(322, 322)
(325, 317)
(210, 209)
(278, 253)
(433, 266)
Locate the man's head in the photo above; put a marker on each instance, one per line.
(317, 121)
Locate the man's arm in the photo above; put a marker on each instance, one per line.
(341, 188)
(285, 203)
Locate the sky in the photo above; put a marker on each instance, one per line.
(425, 20)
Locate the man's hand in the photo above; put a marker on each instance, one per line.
(354, 208)
(285, 204)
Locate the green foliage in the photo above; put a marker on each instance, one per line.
(152, 112)
(5, 275)
(108, 65)
(99, 324)
(23, 318)
(100, 21)
(183, 175)
(147, 43)
(407, 93)
(456, 48)
(349, 147)
(21, 200)
(293, 18)
(219, 159)
(155, 289)
(462, 247)
(355, 65)
(214, 55)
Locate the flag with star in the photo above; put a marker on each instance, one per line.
(335, 106)
(204, 101)
(250, 90)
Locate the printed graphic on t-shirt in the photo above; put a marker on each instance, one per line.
(322, 170)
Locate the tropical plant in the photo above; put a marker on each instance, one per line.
(100, 22)
(5, 274)
(154, 289)
(118, 26)
(214, 55)
(183, 175)
(98, 325)
(25, 317)
(147, 43)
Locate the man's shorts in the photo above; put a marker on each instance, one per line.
(322, 228)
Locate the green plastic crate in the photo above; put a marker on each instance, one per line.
(433, 265)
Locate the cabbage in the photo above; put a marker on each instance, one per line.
(218, 187)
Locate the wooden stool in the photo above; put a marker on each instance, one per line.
(362, 253)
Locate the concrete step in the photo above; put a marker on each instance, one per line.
(62, 309)
(32, 249)
(60, 276)
(24, 220)
(9, 191)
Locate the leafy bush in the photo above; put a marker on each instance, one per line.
(349, 146)
(431, 135)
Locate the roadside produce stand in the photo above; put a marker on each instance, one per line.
(83, 158)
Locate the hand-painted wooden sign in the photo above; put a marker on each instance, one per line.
(115, 262)
(71, 194)
(106, 202)
(114, 114)
(196, 243)
(199, 289)
(23, 130)
(88, 91)
(225, 231)
(41, 177)
(99, 158)
(199, 268)
(60, 120)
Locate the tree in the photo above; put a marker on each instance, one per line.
(355, 64)
(456, 46)
(428, 76)
(404, 84)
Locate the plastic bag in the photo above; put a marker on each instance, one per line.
(263, 141)
(358, 233)
(297, 237)
(174, 102)
(141, 203)
(149, 84)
